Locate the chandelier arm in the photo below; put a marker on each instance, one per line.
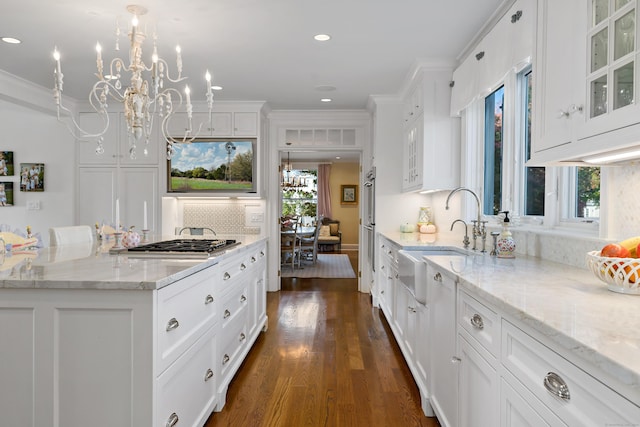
(74, 128)
(167, 76)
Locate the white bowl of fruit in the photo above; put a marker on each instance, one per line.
(618, 265)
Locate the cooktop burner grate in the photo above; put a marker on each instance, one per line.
(202, 246)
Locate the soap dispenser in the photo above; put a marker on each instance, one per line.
(506, 244)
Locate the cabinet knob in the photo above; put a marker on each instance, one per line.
(172, 324)
(208, 375)
(227, 313)
(477, 322)
(227, 276)
(208, 300)
(225, 359)
(411, 309)
(242, 337)
(455, 359)
(243, 298)
(437, 277)
(172, 420)
(253, 259)
(556, 386)
(242, 267)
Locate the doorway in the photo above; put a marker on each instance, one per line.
(298, 168)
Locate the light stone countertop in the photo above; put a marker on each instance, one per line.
(93, 267)
(567, 305)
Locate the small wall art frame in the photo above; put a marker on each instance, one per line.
(31, 176)
(6, 163)
(349, 194)
(6, 193)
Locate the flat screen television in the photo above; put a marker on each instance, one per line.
(213, 165)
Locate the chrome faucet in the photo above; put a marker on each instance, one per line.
(465, 241)
(196, 231)
(479, 226)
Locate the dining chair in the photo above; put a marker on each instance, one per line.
(289, 245)
(60, 236)
(309, 246)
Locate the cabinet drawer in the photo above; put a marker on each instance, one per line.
(481, 322)
(186, 309)
(232, 272)
(233, 305)
(588, 403)
(233, 339)
(187, 390)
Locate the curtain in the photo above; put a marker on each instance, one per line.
(324, 191)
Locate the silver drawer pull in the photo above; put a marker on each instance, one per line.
(455, 360)
(227, 313)
(225, 359)
(242, 336)
(382, 291)
(411, 309)
(437, 277)
(173, 420)
(242, 266)
(253, 259)
(261, 253)
(208, 300)
(243, 298)
(556, 386)
(227, 276)
(208, 375)
(476, 321)
(172, 324)
(382, 267)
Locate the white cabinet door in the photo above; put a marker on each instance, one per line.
(559, 73)
(97, 189)
(136, 186)
(245, 124)
(145, 153)
(423, 343)
(478, 398)
(516, 411)
(444, 374)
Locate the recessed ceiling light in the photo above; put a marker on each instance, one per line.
(326, 100)
(216, 87)
(337, 157)
(322, 37)
(11, 40)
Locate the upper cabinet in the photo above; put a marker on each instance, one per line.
(222, 124)
(431, 138)
(585, 79)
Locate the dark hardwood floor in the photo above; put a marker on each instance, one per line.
(327, 359)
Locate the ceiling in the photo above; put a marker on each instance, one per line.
(260, 50)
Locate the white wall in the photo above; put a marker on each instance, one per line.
(35, 136)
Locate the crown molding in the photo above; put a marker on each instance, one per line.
(19, 91)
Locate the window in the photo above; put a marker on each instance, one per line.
(534, 191)
(582, 187)
(300, 194)
(493, 137)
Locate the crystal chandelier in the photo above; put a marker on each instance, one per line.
(144, 99)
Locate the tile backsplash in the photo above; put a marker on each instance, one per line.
(224, 218)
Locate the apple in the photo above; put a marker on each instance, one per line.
(615, 250)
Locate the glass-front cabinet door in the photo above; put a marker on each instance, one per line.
(611, 63)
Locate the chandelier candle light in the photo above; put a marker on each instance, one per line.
(142, 99)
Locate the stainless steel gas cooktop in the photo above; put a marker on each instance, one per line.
(183, 248)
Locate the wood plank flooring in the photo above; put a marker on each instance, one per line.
(327, 359)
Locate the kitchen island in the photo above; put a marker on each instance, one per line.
(101, 339)
(525, 331)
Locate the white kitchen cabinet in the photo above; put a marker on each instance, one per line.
(99, 188)
(574, 396)
(222, 124)
(102, 358)
(559, 97)
(478, 347)
(518, 411)
(103, 179)
(441, 294)
(431, 138)
(387, 275)
(116, 143)
(586, 86)
(478, 388)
